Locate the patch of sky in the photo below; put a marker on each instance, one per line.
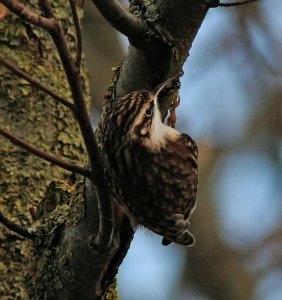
(150, 270)
(246, 196)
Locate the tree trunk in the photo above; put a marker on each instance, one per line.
(38, 119)
(61, 263)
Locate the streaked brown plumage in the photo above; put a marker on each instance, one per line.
(153, 168)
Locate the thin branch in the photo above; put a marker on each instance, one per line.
(236, 3)
(106, 224)
(115, 13)
(75, 85)
(46, 8)
(34, 82)
(50, 158)
(94, 155)
(27, 15)
(78, 34)
(217, 3)
(16, 228)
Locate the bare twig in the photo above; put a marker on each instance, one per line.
(104, 237)
(34, 82)
(126, 23)
(52, 159)
(78, 34)
(75, 84)
(46, 8)
(27, 15)
(217, 3)
(106, 223)
(16, 228)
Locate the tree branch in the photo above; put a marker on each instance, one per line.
(145, 68)
(46, 8)
(96, 161)
(16, 228)
(34, 82)
(50, 158)
(27, 15)
(78, 34)
(217, 3)
(126, 23)
(75, 84)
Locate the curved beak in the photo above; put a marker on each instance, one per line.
(161, 86)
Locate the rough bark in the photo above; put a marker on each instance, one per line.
(67, 217)
(150, 61)
(39, 120)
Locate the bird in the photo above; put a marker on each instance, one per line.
(152, 168)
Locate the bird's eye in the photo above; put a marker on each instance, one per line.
(148, 112)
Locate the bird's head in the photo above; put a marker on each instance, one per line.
(138, 115)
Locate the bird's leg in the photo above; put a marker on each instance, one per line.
(171, 121)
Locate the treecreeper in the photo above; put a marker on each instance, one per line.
(152, 168)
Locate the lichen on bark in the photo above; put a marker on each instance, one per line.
(39, 120)
(48, 257)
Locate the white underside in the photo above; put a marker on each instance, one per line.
(160, 132)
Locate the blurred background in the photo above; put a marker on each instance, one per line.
(231, 103)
